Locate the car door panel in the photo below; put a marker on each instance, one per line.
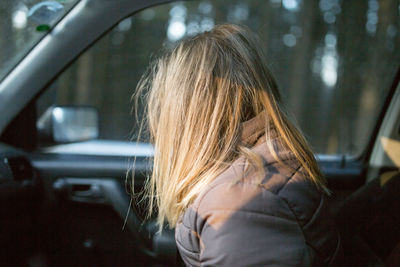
(91, 190)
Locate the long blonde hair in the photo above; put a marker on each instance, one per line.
(198, 95)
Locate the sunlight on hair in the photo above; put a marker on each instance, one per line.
(198, 96)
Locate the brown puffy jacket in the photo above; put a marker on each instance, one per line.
(282, 221)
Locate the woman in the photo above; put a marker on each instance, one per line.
(231, 172)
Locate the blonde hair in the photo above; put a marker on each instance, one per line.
(198, 95)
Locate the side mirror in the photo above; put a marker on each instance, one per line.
(66, 124)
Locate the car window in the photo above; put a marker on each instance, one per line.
(22, 24)
(334, 62)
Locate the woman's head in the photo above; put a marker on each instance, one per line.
(199, 94)
(215, 74)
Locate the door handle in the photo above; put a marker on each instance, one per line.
(93, 193)
(81, 190)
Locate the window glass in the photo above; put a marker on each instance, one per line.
(334, 62)
(22, 24)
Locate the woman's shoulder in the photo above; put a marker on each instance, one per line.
(285, 198)
(283, 191)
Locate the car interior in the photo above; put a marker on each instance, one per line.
(67, 155)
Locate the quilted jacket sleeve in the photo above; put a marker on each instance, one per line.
(289, 227)
(254, 239)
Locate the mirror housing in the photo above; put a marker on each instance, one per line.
(67, 124)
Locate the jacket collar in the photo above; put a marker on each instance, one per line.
(254, 129)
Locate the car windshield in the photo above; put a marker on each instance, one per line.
(22, 24)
